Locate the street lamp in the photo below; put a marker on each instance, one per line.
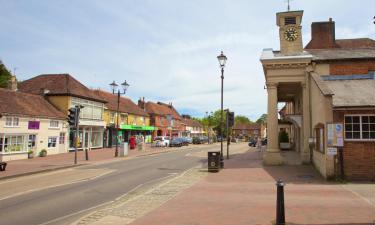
(125, 87)
(222, 60)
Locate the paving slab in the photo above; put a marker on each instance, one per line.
(245, 193)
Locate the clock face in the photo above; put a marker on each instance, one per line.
(290, 34)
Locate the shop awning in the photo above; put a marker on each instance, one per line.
(135, 127)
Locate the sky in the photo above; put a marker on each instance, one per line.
(165, 49)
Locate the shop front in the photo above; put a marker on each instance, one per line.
(88, 137)
(138, 131)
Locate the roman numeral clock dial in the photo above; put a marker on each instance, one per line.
(291, 34)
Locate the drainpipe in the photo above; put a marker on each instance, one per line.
(311, 69)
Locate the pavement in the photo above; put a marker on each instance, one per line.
(24, 167)
(245, 193)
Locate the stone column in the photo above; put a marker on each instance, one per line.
(272, 155)
(305, 151)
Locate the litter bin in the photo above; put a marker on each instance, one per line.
(124, 149)
(213, 161)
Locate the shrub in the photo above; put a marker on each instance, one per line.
(283, 136)
(43, 153)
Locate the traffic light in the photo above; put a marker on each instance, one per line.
(72, 117)
(230, 119)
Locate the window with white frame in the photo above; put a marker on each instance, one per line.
(112, 117)
(62, 138)
(54, 124)
(52, 142)
(12, 121)
(32, 141)
(12, 143)
(360, 127)
(92, 110)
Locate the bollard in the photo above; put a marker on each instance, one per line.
(280, 210)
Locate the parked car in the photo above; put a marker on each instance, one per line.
(189, 140)
(162, 141)
(186, 140)
(235, 140)
(252, 143)
(200, 140)
(177, 142)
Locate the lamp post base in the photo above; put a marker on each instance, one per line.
(221, 161)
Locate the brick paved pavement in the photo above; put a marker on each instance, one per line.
(66, 160)
(245, 193)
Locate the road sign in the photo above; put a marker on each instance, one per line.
(335, 134)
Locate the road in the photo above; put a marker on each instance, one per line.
(62, 203)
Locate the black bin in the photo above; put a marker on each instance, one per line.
(213, 161)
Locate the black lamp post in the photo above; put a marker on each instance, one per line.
(222, 60)
(125, 87)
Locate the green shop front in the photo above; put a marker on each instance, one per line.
(137, 131)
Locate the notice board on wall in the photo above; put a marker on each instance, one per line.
(335, 134)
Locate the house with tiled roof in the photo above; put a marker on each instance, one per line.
(29, 122)
(164, 117)
(244, 130)
(193, 128)
(133, 120)
(64, 91)
(328, 89)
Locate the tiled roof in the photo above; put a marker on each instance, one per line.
(126, 105)
(253, 126)
(352, 93)
(162, 109)
(360, 48)
(25, 104)
(58, 84)
(356, 43)
(191, 122)
(340, 53)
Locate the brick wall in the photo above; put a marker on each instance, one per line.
(359, 156)
(352, 67)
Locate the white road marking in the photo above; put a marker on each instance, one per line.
(54, 186)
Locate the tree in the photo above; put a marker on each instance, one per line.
(262, 119)
(242, 120)
(5, 75)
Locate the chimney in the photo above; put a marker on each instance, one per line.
(13, 83)
(141, 103)
(322, 35)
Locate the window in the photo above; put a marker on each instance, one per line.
(92, 110)
(360, 127)
(52, 142)
(62, 138)
(54, 124)
(11, 121)
(31, 143)
(123, 118)
(12, 143)
(112, 117)
(319, 137)
(290, 20)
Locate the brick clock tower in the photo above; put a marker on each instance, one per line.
(290, 32)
